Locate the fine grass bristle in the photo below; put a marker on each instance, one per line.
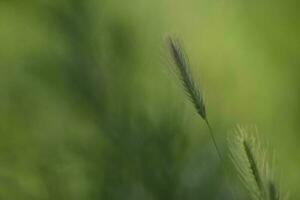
(251, 163)
(190, 86)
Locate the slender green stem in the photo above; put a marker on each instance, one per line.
(214, 139)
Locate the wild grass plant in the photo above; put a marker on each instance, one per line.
(190, 86)
(251, 161)
(84, 116)
(246, 152)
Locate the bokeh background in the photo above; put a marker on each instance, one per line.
(89, 108)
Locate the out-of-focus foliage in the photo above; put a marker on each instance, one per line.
(90, 110)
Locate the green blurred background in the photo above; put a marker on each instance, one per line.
(89, 108)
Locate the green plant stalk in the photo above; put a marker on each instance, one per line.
(212, 135)
(191, 86)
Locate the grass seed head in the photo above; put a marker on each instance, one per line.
(185, 75)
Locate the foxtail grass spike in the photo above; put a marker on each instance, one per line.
(253, 167)
(250, 160)
(186, 77)
(190, 85)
